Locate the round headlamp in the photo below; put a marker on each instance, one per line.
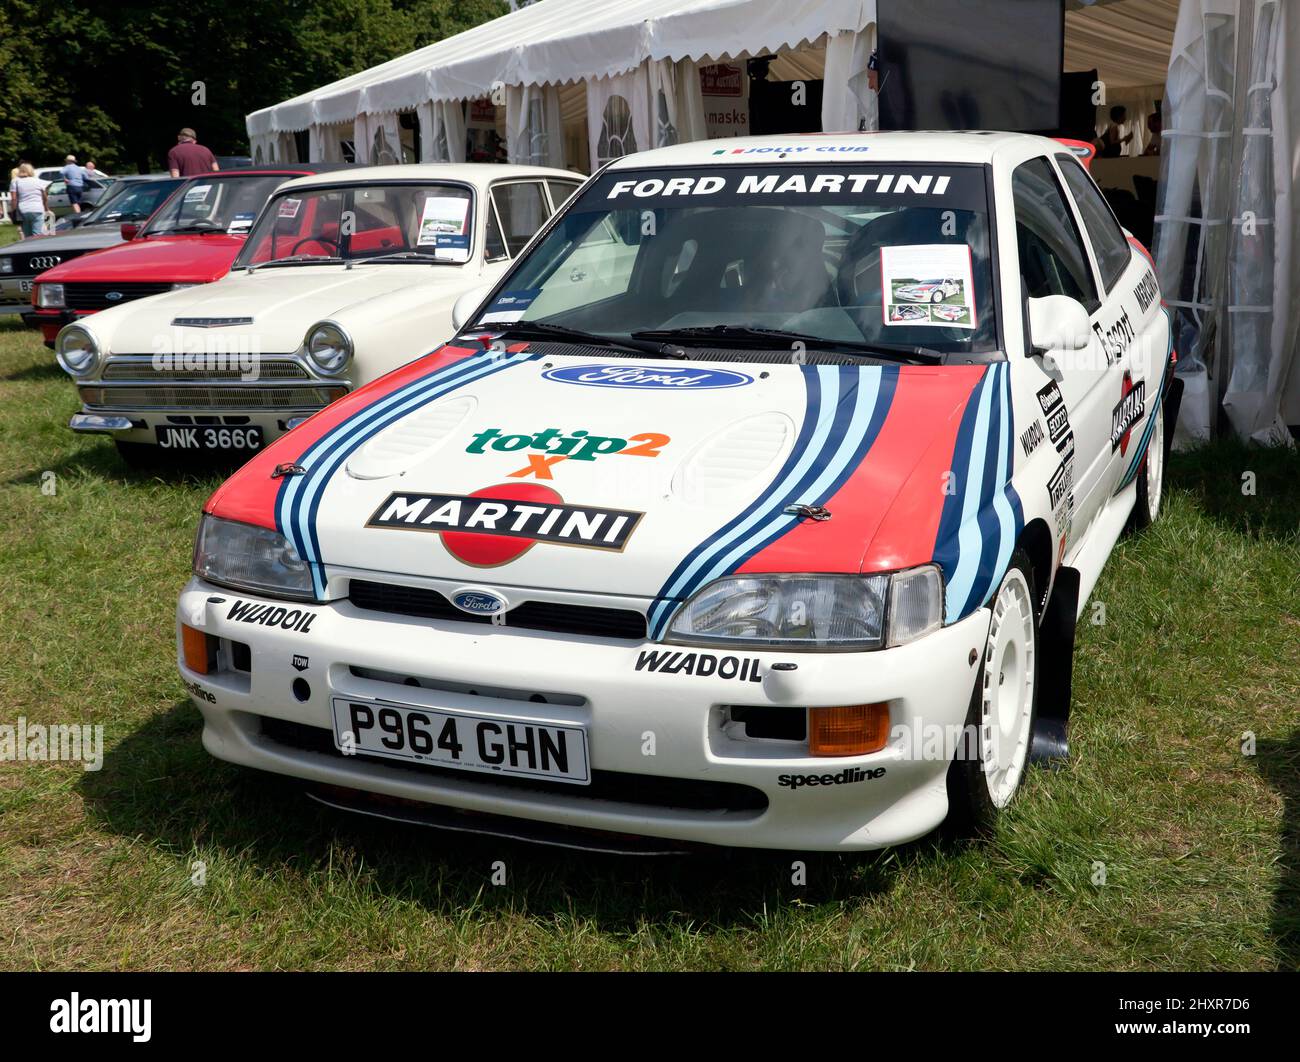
(328, 348)
(76, 350)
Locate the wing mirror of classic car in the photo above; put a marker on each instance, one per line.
(463, 308)
(130, 230)
(1057, 323)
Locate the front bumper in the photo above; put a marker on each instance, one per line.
(51, 321)
(139, 427)
(16, 290)
(256, 717)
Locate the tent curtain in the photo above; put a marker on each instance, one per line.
(690, 103)
(848, 101)
(534, 130)
(326, 142)
(261, 147)
(442, 131)
(618, 116)
(1224, 221)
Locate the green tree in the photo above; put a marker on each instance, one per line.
(117, 80)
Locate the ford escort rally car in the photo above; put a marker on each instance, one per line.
(684, 535)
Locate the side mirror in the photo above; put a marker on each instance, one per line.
(1058, 322)
(463, 308)
(130, 230)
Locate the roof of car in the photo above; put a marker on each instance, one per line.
(969, 146)
(473, 172)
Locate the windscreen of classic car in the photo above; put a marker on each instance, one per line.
(388, 222)
(897, 255)
(131, 201)
(215, 204)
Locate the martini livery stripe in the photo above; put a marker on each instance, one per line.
(1141, 449)
(298, 500)
(982, 514)
(845, 408)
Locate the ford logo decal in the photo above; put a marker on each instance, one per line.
(479, 602)
(113, 296)
(645, 378)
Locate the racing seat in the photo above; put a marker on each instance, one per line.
(735, 260)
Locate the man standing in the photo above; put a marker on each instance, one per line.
(189, 158)
(75, 179)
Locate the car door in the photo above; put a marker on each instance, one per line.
(1075, 392)
(1130, 326)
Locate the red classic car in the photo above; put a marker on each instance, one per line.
(191, 239)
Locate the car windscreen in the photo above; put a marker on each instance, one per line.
(421, 222)
(131, 201)
(215, 204)
(895, 254)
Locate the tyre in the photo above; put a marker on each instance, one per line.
(937, 296)
(1151, 477)
(989, 767)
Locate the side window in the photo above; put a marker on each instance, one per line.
(494, 245)
(1053, 259)
(1108, 239)
(521, 206)
(560, 192)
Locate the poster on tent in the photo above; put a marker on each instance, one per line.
(725, 88)
(927, 284)
(482, 141)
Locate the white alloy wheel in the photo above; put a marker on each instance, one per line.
(1007, 699)
(1155, 464)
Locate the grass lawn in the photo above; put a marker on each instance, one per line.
(1200, 843)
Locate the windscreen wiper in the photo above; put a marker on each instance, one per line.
(543, 330)
(780, 338)
(296, 259)
(405, 256)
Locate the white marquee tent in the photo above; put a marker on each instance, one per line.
(577, 82)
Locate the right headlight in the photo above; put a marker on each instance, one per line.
(6, 264)
(328, 347)
(813, 612)
(76, 350)
(252, 558)
(50, 296)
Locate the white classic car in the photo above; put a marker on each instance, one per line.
(680, 536)
(344, 276)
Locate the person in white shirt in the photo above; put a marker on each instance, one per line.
(32, 200)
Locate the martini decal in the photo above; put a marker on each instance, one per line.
(496, 525)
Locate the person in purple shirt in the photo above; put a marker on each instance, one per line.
(189, 158)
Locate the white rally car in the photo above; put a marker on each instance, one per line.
(682, 537)
(343, 276)
(927, 290)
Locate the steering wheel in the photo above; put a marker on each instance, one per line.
(316, 239)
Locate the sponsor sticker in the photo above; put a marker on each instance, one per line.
(556, 446)
(645, 378)
(701, 665)
(498, 524)
(1128, 411)
(1031, 437)
(846, 777)
(509, 306)
(280, 616)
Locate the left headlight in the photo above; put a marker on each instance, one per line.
(247, 557)
(827, 612)
(76, 351)
(50, 296)
(328, 347)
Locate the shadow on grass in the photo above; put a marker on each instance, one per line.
(1279, 763)
(1216, 477)
(37, 373)
(160, 785)
(101, 461)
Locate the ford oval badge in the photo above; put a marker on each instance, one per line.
(479, 602)
(112, 296)
(645, 378)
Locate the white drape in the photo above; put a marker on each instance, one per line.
(378, 139)
(1225, 224)
(534, 130)
(326, 142)
(848, 101)
(618, 116)
(442, 131)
